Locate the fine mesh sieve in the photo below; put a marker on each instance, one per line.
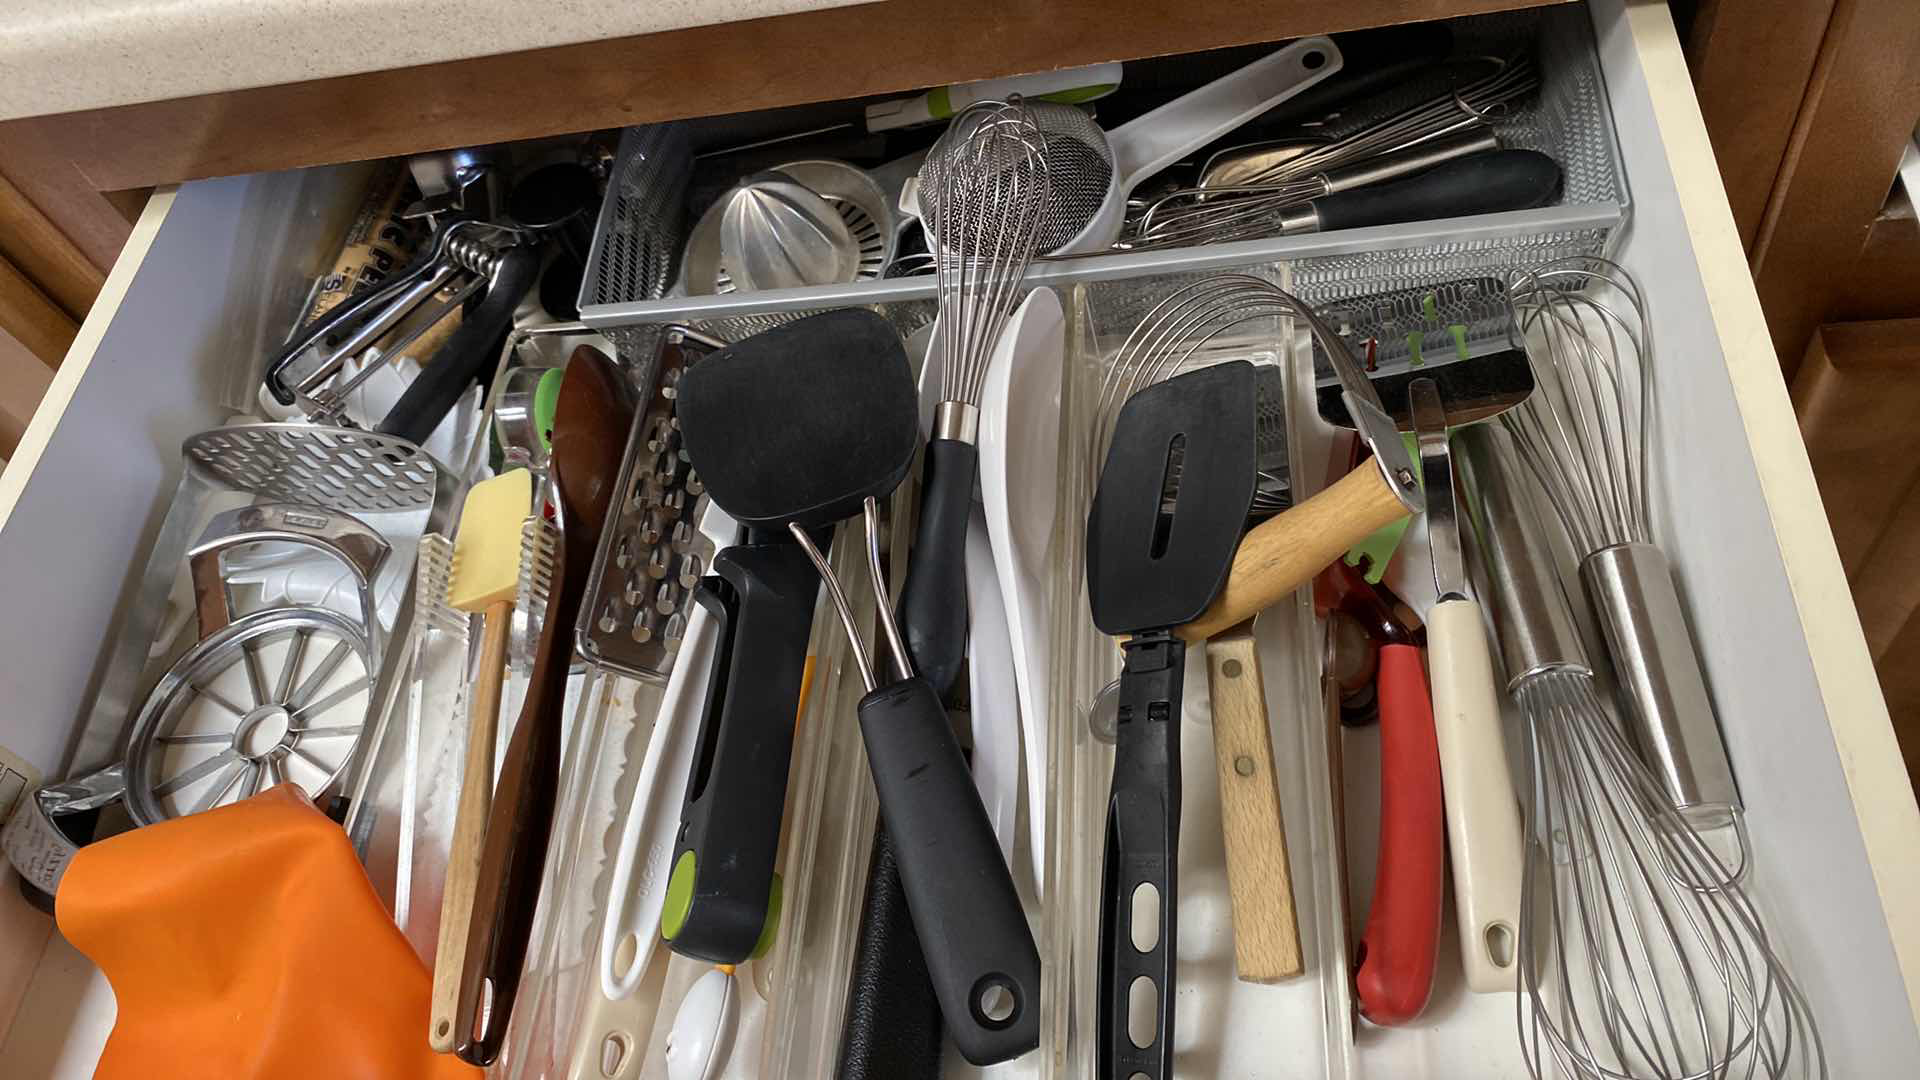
(1091, 171)
(1079, 171)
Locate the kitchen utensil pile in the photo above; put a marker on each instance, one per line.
(668, 515)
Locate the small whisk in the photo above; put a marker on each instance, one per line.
(1643, 957)
(1585, 435)
(982, 191)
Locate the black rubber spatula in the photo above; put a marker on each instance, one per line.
(796, 425)
(1173, 498)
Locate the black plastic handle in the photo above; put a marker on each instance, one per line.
(763, 596)
(933, 602)
(470, 353)
(978, 947)
(1482, 184)
(1143, 848)
(892, 1029)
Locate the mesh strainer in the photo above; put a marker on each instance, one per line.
(1091, 172)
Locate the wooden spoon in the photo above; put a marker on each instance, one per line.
(590, 426)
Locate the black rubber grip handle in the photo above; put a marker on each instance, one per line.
(1482, 184)
(1143, 848)
(892, 1029)
(762, 595)
(973, 933)
(470, 353)
(933, 602)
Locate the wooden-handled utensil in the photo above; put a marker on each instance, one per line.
(1266, 933)
(1284, 552)
(589, 430)
(486, 575)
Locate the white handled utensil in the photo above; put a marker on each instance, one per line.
(1019, 477)
(1483, 820)
(991, 688)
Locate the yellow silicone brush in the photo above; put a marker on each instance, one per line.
(486, 574)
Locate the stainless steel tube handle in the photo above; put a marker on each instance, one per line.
(1413, 159)
(1669, 713)
(1532, 616)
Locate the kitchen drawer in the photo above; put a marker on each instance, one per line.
(214, 266)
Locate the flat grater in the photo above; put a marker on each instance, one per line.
(652, 554)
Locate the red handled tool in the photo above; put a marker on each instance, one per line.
(1394, 963)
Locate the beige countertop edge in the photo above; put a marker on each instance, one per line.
(67, 55)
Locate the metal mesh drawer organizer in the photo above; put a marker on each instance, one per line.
(1568, 119)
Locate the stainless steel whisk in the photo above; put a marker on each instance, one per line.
(1642, 956)
(983, 189)
(1584, 434)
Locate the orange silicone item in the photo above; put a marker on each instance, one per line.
(246, 942)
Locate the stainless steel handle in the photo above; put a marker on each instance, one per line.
(1532, 616)
(1669, 712)
(1413, 159)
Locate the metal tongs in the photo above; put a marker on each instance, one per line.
(466, 257)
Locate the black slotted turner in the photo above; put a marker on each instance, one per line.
(1172, 501)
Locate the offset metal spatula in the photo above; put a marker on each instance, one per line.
(1168, 512)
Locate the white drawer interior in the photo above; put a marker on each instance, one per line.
(215, 266)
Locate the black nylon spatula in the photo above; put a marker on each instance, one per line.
(796, 425)
(1172, 501)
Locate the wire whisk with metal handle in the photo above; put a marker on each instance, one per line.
(1585, 437)
(1585, 434)
(1657, 966)
(1641, 955)
(982, 191)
